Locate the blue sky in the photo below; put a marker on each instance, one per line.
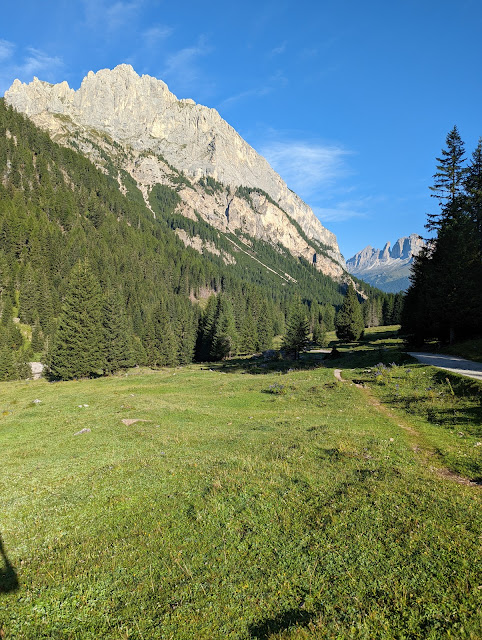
(350, 101)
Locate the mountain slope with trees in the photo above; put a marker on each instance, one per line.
(137, 131)
(60, 214)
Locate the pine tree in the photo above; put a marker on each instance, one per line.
(225, 335)
(7, 310)
(473, 188)
(28, 298)
(319, 334)
(417, 315)
(328, 316)
(448, 180)
(186, 326)
(205, 335)
(296, 338)
(265, 327)
(78, 346)
(118, 353)
(160, 342)
(349, 319)
(38, 342)
(444, 300)
(398, 308)
(248, 334)
(7, 363)
(387, 310)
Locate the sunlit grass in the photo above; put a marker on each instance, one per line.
(229, 511)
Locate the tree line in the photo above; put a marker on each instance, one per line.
(444, 300)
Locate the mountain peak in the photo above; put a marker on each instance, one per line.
(387, 268)
(161, 134)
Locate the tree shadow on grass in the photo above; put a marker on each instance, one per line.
(368, 358)
(344, 358)
(282, 622)
(257, 365)
(8, 575)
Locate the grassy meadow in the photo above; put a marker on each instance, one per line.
(247, 501)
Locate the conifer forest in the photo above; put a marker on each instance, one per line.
(91, 282)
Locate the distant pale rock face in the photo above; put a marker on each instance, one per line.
(148, 132)
(386, 268)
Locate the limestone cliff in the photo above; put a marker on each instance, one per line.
(136, 124)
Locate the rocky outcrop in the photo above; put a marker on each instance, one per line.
(387, 268)
(144, 129)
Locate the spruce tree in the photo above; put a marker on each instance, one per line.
(319, 334)
(160, 342)
(37, 342)
(296, 338)
(473, 188)
(28, 298)
(77, 350)
(328, 317)
(225, 335)
(7, 363)
(444, 300)
(7, 310)
(349, 319)
(205, 336)
(448, 180)
(248, 334)
(265, 327)
(118, 353)
(186, 327)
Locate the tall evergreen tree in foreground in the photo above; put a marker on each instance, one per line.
(77, 350)
(448, 180)
(349, 319)
(296, 338)
(444, 301)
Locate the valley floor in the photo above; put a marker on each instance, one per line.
(236, 501)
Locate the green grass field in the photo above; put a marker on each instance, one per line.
(247, 503)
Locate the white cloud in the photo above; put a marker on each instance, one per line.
(110, 16)
(38, 61)
(278, 50)
(120, 13)
(340, 213)
(6, 50)
(34, 62)
(278, 79)
(156, 34)
(359, 207)
(306, 167)
(181, 67)
(249, 93)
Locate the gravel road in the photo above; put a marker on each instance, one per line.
(451, 363)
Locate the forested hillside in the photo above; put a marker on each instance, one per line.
(71, 240)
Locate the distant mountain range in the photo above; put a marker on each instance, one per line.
(388, 269)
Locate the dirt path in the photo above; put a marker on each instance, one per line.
(426, 455)
(467, 368)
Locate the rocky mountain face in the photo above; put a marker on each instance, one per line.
(387, 268)
(136, 130)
